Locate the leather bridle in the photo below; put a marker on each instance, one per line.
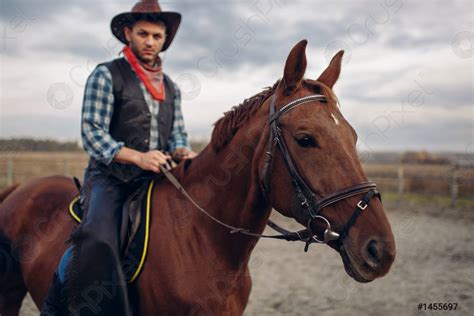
(309, 205)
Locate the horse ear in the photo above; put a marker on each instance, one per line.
(295, 66)
(332, 72)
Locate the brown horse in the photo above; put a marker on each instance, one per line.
(195, 265)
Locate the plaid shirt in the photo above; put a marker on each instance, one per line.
(97, 112)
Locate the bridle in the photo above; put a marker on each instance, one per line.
(309, 205)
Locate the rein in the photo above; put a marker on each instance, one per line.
(290, 236)
(309, 204)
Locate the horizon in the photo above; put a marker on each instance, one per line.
(206, 141)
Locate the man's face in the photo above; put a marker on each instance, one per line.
(146, 39)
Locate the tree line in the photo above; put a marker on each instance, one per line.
(32, 144)
(51, 145)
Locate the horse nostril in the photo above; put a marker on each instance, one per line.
(373, 251)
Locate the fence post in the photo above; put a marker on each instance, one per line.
(401, 182)
(10, 172)
(454, 185)
(66, 168)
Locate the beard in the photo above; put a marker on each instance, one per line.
(142, 57)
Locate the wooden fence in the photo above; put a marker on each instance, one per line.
(447, 180)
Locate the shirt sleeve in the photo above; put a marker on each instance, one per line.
(97, 109)
(178, 137)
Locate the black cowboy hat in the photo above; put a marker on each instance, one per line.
(150, 10)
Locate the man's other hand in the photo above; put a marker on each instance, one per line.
(183, 153)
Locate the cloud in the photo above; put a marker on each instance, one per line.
(41, 126)
(46, 9)
(456, 135)
(226, 51)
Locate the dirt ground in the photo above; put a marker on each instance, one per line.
(434, 264)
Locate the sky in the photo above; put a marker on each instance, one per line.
(406, 80)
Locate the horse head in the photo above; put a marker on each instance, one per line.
(310, 170)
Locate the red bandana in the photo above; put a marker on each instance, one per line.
(152, 77)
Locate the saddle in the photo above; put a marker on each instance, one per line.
(135, 228)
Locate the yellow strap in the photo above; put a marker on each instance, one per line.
(147, 228)
(71, 210)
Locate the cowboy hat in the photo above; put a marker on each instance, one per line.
(150, 10)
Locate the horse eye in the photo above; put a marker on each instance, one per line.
(307, 141)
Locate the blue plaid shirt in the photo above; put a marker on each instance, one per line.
(97, 112)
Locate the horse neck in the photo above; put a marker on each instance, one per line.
(226, 184)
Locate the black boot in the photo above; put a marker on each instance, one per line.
(55, 302)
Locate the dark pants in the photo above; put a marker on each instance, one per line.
(90, 272)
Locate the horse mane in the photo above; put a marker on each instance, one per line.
(226, 127)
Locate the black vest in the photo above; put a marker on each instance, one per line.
(131, 118)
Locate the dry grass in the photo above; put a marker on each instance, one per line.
(419, 178)
(431, 179)
(27, 165)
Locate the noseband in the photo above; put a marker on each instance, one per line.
(309, 206)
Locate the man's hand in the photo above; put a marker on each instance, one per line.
(183, 153)
(152, 160)
(147, 161)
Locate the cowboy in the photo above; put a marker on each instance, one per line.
(131, 118)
